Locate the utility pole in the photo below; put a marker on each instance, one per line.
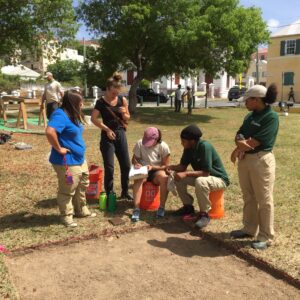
(85, 80)
(257, 67)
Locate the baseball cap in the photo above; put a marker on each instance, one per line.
(151, 135)
(257, 91)
(48, 74)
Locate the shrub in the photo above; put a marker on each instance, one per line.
(145, 84)
(9, 83)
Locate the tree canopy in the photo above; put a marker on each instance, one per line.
(161, 37)
(26, 23)
(67, 71)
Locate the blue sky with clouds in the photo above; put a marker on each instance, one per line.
(275, 12)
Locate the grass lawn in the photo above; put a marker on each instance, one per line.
(29, 215)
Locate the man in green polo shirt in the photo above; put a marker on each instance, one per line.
(208, 174)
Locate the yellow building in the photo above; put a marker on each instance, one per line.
(284, 61)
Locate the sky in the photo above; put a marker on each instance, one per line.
(276, 13)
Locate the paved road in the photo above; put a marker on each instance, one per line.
(210, 103)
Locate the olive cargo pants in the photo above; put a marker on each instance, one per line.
(71, 198)
(257, 177)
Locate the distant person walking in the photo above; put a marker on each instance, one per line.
(291, 94)
(178, 98)
(52, 94)
(189, 96)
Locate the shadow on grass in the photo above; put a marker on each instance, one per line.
(224, 239)
(27, 220)
(167, 117)
(47, 203)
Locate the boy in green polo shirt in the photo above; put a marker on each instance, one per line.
(208, 174)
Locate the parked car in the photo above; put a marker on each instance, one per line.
(150, 96)
(236, 92)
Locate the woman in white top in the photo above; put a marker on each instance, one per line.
(152, 152)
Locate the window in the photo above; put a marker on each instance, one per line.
(264, 74)
(262, 57)
(290, 47)
(288, 78)
(253, 74)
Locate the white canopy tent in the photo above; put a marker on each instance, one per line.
(20, 70)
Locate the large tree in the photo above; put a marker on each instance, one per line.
(161, 37)
(27, 23)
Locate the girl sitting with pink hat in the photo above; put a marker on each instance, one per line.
(152, 152)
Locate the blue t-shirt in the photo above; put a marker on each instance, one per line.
(69, 136)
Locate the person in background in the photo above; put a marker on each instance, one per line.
(178, 98)
(208, 174)
(256, 167)
(154, 153)
(113, 110)
(52, 94)
(188, 95)
(291, 94)
(64, 133)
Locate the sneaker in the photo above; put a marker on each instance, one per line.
(160, 213)
(126, 196)
(68, 221)
(85, 213)
(259, 245)
(240, 234)
(135, 215)
(203, 220)
(90, 215)
(184, 210)
(71, 225)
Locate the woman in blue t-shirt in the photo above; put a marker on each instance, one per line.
(64, 133)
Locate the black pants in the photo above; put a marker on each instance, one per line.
(177, 105)
(291, 97)
(50, 108)
(119, 147)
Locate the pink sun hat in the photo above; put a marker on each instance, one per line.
(151, 135)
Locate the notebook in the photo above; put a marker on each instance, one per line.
(140, 173)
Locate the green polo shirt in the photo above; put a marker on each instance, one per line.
(204, 157)
(262, 126)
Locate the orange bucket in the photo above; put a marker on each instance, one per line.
(150, 198)
(95, 187)
(217, 204)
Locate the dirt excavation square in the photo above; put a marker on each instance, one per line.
(157, 263)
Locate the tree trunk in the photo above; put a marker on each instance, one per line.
(132, 93)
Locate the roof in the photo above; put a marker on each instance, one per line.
(292, 29)
(19, 70)
(89, 42)
(261, 51)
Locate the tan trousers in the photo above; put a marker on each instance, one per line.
(203, 186)
(257, 176)
(71, 198)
